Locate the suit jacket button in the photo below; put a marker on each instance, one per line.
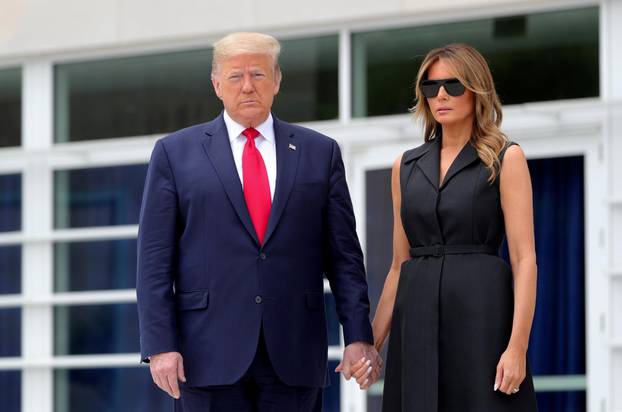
(258, 299)
(262, 256)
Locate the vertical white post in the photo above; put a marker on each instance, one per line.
(345, 77)
(611, 93)
(37, 322)
(352, 398)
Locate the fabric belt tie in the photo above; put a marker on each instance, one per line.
(441, 250)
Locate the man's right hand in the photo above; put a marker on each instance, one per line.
(166, 368)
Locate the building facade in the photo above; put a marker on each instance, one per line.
(86, 88)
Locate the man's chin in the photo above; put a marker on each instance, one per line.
(253, 117)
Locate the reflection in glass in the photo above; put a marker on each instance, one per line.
(101, 196)
(132, 96)
(10, 107)
(11, 332)
(10, 269)
(10, 390)
(95, 265)
(10, 202)
(534, 57)
(96, 329)
(161, 93)
(310, 87)
(108, 390)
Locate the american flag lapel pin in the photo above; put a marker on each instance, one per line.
(292, 147)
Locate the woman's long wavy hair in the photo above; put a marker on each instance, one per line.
(470, 67)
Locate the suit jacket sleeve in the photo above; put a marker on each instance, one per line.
(157, 245)
(344, 268)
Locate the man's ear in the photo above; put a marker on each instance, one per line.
(277, 83)
(216, 85)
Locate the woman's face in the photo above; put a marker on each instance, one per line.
(447, 109)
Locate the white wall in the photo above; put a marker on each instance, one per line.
(34, 27)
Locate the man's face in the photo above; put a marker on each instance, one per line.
(247, 84)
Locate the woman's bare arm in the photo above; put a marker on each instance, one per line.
(517, 205)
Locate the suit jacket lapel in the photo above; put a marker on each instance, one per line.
(218, 150)
(287, 154)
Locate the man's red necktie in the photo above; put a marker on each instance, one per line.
(256, 184)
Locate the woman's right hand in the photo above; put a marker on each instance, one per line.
(362, 370)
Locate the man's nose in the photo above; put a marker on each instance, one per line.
(247, 83)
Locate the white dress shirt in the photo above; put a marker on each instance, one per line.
(265, 143)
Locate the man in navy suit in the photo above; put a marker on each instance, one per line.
(241, 219)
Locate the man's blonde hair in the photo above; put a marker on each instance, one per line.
(238, 43)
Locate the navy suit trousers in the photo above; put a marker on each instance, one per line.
(259, 390)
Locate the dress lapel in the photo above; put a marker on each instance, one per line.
(428, 159)
(468, 154)
(429, 162)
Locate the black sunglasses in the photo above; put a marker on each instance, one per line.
(453, 87)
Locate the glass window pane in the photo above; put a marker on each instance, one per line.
(562, 401)
(557, 341)
(535, 57)
(131, 389)
(161, 93)
(379, 226)
(10, 202)
(332, 392)
(132, 96)
(104, 390)
(100, 196)
(310, 87)
(332, 320)
(96, 265)
(10, 107)
(10, 391)
(11, 328)
(93, 329)
(10, 269)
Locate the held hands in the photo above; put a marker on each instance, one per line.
(362, 362)
(166, 369)
(511, 371)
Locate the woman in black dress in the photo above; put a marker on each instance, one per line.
(459, 318)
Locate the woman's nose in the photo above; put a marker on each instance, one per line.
(442, 93)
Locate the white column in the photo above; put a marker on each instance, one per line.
(353, 399)
(611, 92)
(37, 322)
(345, 77)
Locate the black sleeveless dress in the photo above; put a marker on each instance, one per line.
(453, 312)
